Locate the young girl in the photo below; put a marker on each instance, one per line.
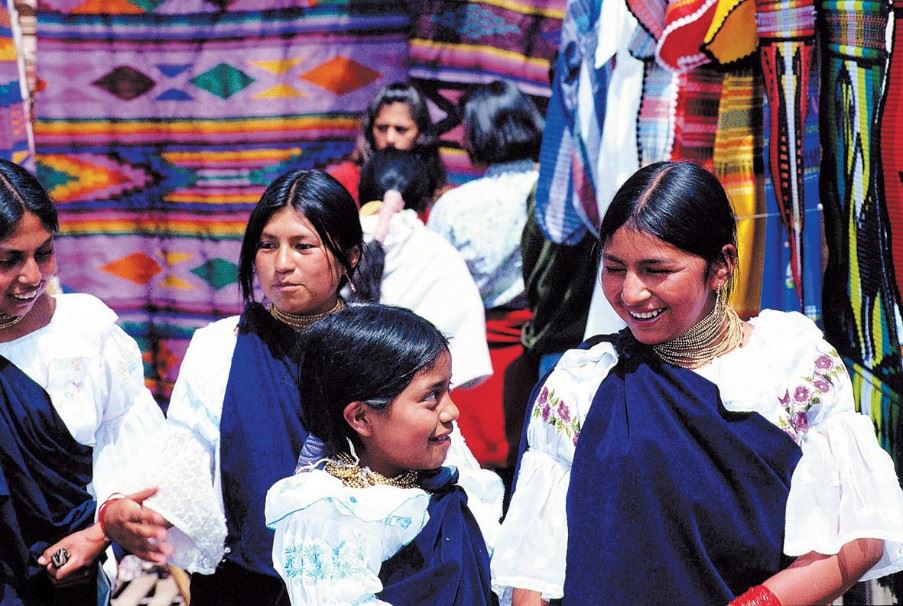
(378, 520)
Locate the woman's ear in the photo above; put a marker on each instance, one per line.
(354, 257)
(724, 267)
(357, 415)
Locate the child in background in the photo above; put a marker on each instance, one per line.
(407, 265)
(378, 520)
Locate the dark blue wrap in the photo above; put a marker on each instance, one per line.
(260, 433)
(447, 563)
(672, 499)
(44, 474)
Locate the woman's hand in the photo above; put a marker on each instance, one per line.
(140, 530)
(82, 547)
(526, 597)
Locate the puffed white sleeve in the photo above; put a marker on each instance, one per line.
(131, 418)
(184, 463)
(844, 486)
(532, 544)
(330, 541)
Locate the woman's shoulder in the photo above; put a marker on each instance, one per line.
(83, 311)
(784, 334)
(217, 333)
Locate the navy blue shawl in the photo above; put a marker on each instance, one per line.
(672, 498)
(261, 433)
(447, 563)
(44, 474)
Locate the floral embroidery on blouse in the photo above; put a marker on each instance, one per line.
(555, 412)
(797, 403)
(319, 561)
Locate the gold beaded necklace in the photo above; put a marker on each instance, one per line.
(299, 322)
(717, 333)
(345, 468)
(8, 321)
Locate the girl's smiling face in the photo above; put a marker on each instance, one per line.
(414, 431)
(659, 290)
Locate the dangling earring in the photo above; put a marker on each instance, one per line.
(351, 285)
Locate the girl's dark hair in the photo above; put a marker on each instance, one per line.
(367, 353)
(501, 124)
(677, 202)
(427, 143)
(395, 169)
(323, 201)
(20, 192)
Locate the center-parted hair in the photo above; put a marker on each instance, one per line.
(368, 353)
(20, 192)
(323, 201)
(679, 203)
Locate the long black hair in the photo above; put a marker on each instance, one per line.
(20, 192)
(367, 353)
(323, 201)
(679, 203)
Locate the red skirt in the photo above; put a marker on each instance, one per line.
(491, 414)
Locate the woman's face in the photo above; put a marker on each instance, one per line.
(659, 290)
(27, 263)
(414, 432)
(395, 127)
(296, 271)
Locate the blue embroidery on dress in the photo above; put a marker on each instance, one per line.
(319, 561)
(402, 521)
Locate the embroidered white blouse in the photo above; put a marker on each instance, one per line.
(425, 274)
(93, 373)
(843, 488)
(186, 464)
(331, 540)
(484, 219)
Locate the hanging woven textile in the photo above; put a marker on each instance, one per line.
(859, 281)
(786, 31)
(16, 137)
(737, 164)
(178, 115)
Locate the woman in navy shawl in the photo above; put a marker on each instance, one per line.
(69, 415)
(235, 412)
(694, 458)
(377, 517)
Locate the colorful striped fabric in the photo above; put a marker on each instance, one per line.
(177, 116)
(786, 31)
(16, 138)
(780, 287)
(860, 281)
(456, 44)
(657, 115)
(891, 152)
(566, 206)
(696, 115)
(736, 156)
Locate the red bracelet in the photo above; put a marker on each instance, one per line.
(757, 595)
(102, 510)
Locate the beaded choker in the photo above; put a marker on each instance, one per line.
(301, 321)
(8, 321)
(718, 332)
(345, 468)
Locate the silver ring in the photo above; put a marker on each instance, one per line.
(59, 557)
